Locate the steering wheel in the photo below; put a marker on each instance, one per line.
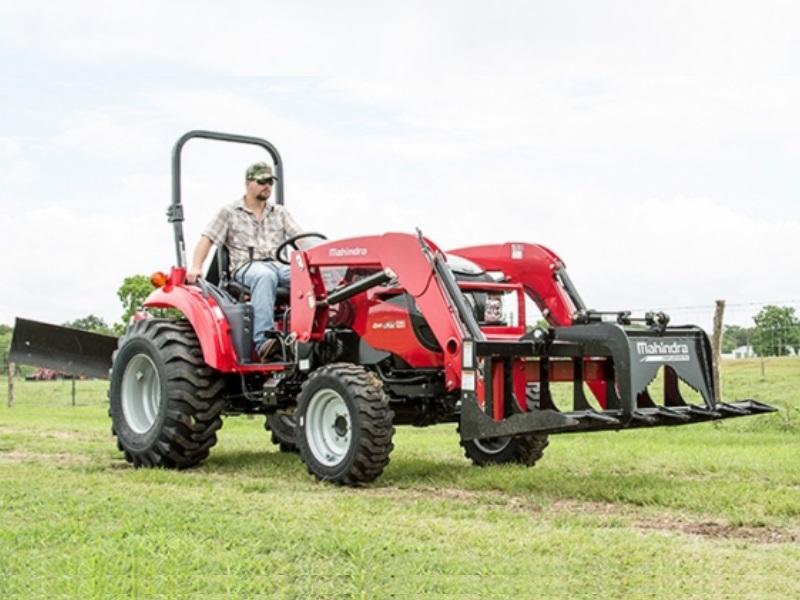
(280, 253)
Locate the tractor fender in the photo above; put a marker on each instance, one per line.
(207, 319)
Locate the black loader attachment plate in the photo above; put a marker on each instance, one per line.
(634, 357)
(62, 349)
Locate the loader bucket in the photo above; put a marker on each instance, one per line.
(62, 349)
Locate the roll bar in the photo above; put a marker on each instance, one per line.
(175, 210)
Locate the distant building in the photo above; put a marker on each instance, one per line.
(743, 352)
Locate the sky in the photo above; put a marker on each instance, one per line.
(653, 146)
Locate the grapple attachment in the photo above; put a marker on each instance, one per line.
(617, 362)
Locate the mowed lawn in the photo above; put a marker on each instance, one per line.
(706, 511)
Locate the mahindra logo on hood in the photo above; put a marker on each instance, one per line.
(338, 252)
(663, 351)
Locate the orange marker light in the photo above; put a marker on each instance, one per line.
(159, 279)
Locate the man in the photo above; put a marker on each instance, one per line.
(252, 230)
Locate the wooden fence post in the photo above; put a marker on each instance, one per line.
(716, 345)
(11, 370)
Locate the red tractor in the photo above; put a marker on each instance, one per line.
(389, 330)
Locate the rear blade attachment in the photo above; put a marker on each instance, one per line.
(62, 349)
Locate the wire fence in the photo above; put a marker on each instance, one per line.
(773, 341)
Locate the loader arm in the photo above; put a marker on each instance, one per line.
(538, 269)
(409, 259)
(544, 276)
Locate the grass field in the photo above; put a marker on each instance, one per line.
(706, 511)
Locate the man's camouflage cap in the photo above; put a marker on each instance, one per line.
(259, 169)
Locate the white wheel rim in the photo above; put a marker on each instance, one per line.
(141, 393)
(328, 427)
(492, 445)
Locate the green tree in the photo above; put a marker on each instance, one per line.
(777, 329)
(133, 291)
(90, 323)
(734, 336)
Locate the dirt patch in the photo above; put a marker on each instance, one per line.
(714, 529)
(586, 507)
(119, 465)
(15, 456)
(675, 524)
(56, 434)
(490, 498)
(69, 435)
(630, 515)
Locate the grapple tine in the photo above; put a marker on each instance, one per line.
(593, 416)
(748, 407)
(730, 409)
(669, 414)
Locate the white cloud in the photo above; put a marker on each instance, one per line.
(15, 169)
(464, 38)
(15, 172)
(556, 124)
(681, 252)
(9, 148)
(106, 137)
(62, 264)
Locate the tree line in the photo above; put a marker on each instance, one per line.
(132, 293)
(775, 332)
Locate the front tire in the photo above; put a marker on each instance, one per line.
(165, 402)
(344, 425)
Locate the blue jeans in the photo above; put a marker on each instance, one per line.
(263, 279)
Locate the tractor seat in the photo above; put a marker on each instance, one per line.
(219, 274)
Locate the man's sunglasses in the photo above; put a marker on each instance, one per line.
(265, 180)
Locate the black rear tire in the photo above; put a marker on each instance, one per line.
(283, 429)
(525, 450)
(165, 402)
(344, 424)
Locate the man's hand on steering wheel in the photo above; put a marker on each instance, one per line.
(281, 254)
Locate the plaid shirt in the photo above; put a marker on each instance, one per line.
(237, 227)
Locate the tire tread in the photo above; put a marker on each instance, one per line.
(193, 398)
(374, 416)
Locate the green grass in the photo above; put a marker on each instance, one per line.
(706, 511)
